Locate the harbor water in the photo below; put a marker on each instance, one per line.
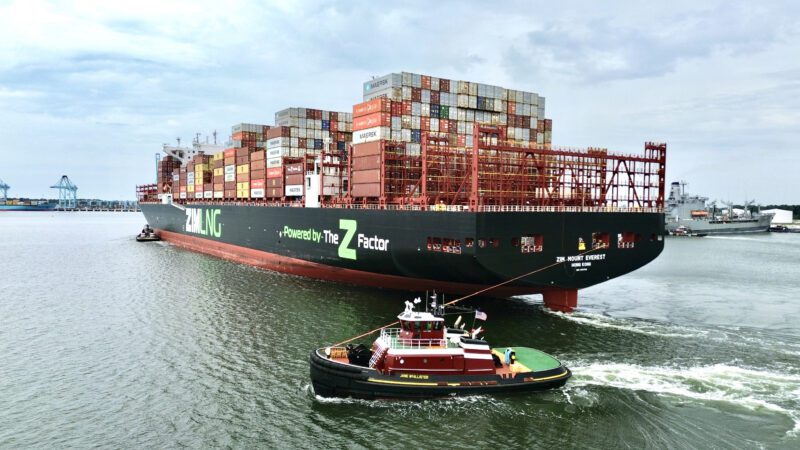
(106, 342)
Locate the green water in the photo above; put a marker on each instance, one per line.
(112, 343)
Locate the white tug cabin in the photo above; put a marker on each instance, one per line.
(423, 345)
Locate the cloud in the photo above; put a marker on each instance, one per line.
(624, 48)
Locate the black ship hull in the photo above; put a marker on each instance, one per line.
(455, 252)
(336, 379)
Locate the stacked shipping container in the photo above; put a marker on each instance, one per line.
(421, 103)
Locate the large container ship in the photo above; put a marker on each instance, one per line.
(429, 183)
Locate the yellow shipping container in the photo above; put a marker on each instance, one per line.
(190, 188)
(219, 171)
(244, 168)
(243, 194)
(200, 167)
(218, 156)
(244, 186)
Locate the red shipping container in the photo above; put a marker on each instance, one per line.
(334, 126)
(367, 162)
(379, 119)
(230, 193)
(425, 123)
(444, 85)
(218, 163)
(406, 108)
(275, 192)
(512, 107)
(294, 168)
(240, 152)
(366, 176)
(276, 132)
(219, 187)
(275, 172)
(264, 129)
(257, 155)
(230, 153)
(242, 160)
(257, 164)
(461, 140)
(294, 179)
(257, 184)
(435, 98)
(242, 177)
(274, 182)
(367, 149)
(366, 190)
(257, 174)
(426, 82)
(397, 108)
(333, 116)
(381, 104)
(230, 186)
(444, 126)
(416, 94)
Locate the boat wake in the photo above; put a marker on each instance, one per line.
(632, 325)
(755, 390)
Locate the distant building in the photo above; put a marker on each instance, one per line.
(782, 216)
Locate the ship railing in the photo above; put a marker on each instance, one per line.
(391, 339)
(435, 208)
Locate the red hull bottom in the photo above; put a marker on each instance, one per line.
(564, 300)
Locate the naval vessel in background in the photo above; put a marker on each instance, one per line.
(690, 215)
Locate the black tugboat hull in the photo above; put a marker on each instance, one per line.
(147, 238)
(335, 379)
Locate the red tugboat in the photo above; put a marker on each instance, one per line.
(424, 358)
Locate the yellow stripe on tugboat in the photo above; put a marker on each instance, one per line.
(408, 383)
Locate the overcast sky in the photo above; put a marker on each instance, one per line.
(92, 89)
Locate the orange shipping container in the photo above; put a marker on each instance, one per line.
(242, 177)
(368, 149)
(366, 176)
(367, 190)
(294, 179)
(257, 164)
(378, 119)
(381, 104)
(367, 162)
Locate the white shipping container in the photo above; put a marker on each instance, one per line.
(371, 134)
(387, 81)
(394, 94)
(176, 177)
(182, 195)
(415, 122)
(406, 93)
(274, 162)
(230, 169)
(473, 101)
(230, 177)
(294, 142)
(218, 194)
(278, 142)
(406, 78)
(208, 194)
(405, 135)
(426, 96)
(278, 152)
(425, 110)
(434, 84)
(396, 123)
(198, 194)
(397, 135)
(463, 100)
(416, 80)
(413, 149)
(257, 193)
(293, 190)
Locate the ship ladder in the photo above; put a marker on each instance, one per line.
(378, 354)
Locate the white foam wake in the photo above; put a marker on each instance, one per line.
(635, 326)
(748, 388)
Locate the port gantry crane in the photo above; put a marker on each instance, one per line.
(4, 189)
(67, 193)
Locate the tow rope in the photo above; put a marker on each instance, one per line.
(453, 302)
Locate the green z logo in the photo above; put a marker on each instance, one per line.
(350, 226)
